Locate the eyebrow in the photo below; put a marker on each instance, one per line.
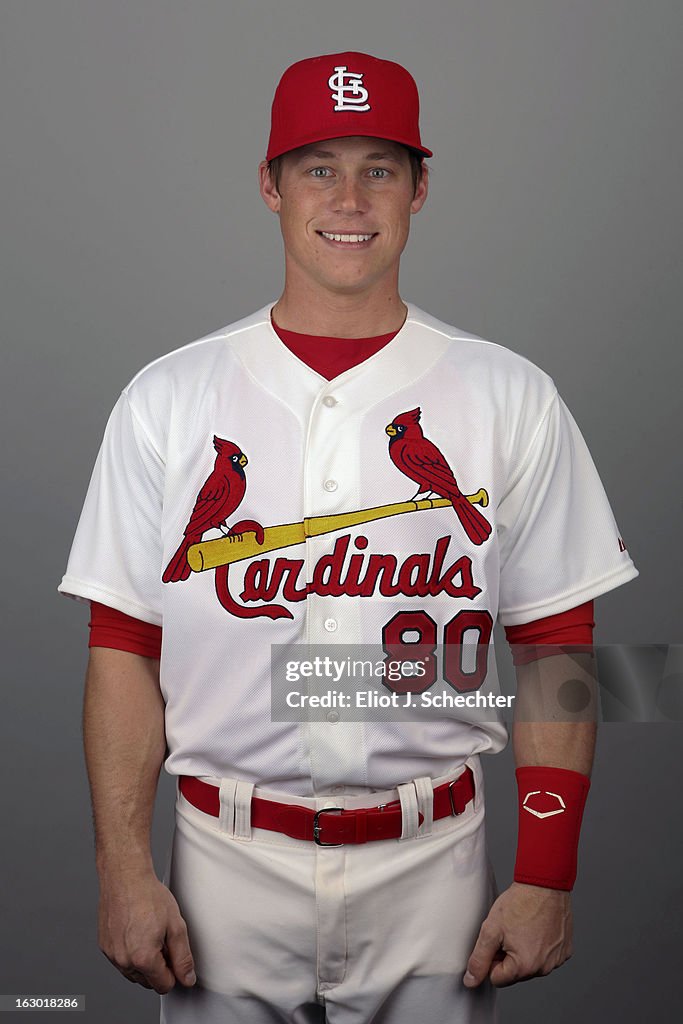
(326, 154)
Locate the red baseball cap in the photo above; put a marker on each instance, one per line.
(342, 94)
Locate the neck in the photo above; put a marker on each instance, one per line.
(344, 316)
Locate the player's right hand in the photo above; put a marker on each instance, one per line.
(142, 932)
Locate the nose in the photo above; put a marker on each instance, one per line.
(349, 197)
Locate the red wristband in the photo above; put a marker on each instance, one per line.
(551, 803)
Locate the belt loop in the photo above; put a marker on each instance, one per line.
(408, 798)
(474, 763)
(424, 789)
(243, 795)
(226, 815)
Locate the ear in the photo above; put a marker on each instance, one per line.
(271, 196)
(422, 189)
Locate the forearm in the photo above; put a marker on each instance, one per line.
(554, 727)
(125, 745)
(555, 713)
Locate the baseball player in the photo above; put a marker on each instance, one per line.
(337, 470)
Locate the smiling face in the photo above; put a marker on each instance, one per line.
(357, 189)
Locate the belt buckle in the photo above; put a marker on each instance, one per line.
(450, 796)
(317, 827)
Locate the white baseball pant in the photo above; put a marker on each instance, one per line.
(283, 930)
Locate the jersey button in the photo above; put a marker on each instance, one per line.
(330, 625)
(330, 485)
(330, 401)
(332, 717)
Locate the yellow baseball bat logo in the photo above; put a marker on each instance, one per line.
(210, 554)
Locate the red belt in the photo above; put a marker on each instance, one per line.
(326, 827)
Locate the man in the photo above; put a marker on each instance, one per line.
(258, 488)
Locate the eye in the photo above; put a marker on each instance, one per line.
(313, 171)
(383, 172)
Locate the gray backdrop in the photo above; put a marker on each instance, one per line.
(132, 224)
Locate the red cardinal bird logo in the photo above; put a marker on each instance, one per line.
(219, 497)
(421, 461)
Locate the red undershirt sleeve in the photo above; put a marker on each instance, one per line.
(545, 637)
(112, 628)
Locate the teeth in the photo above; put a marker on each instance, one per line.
(346, 238)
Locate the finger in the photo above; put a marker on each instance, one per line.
(154, 969)
(506, 972)
(179, 953)
(129, 973)
(485, 951)
(136, 978)
(510, 971)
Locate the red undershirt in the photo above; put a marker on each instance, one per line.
(330, 357)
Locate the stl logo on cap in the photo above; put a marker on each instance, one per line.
(344, 82)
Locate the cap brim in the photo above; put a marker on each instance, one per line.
(325, 135)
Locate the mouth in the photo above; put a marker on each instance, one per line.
(348, 241)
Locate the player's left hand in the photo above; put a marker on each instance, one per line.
(527, 934)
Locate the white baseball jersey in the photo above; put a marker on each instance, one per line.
(238, 420)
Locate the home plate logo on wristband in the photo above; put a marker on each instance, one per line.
(347, 89)
(544, 808)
